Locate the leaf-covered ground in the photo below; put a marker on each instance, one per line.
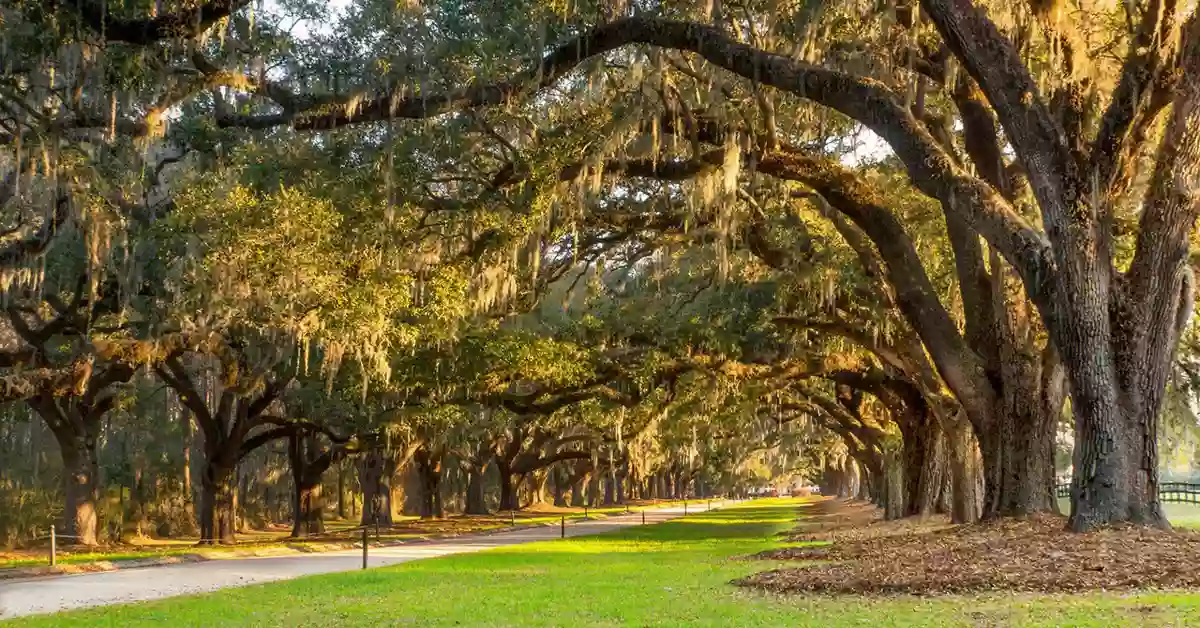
(846, 548)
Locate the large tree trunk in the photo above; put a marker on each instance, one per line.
(1021, 461)
(508, 487)
(217, 487)
(81, 474)
(375, 479)
(593, 493)
(560, 488)
(864, 483)
(923, 466)
(309, 508)
(578, 499)
(535, 487)
(428, 468)
(475, 502)
(964, 472)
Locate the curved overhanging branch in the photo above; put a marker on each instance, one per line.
(181, 24)
(996, 66)
(1143, 91)
(933, 171)
(18, 252)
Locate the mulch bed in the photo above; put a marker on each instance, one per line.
(1036, 554)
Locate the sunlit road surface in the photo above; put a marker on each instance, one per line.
(55, 593)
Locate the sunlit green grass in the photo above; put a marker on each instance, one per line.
(673, 574)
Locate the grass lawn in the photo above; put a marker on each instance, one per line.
(673, 574)
(1180, 515)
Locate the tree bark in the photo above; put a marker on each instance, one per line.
(309, 509)
(375, 479)
(894, 506)
(81, 473)
(578, 499)
(341, 489)
(864, 484)
(428, 467)
(964, 472)
(593, 493)
(560, 488)
(508, 487)
(475, 502)
(217, 487)
(923, 467)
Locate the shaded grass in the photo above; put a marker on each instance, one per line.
(673, 574)
(1180, 515)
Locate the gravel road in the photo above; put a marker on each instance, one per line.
(56, 593)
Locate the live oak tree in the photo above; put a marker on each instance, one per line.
(343, 201)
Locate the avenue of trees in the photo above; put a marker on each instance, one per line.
(278, 261)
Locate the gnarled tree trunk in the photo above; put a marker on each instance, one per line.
(81, 475)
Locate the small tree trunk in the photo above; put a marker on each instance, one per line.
(185, 420)
(560, 493)
(894, 477)
(341, 489)
(81, 472)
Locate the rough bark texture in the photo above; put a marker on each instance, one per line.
(217, 507)
(508, 486)
(475, 502)
(375, 473)
(81, 474)
(74, 419)
(965, 476)
(309, 464)
(428, 467)
(228, 426)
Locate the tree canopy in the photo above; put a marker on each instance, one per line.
(917, 251)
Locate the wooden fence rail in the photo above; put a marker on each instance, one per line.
(1177, 492)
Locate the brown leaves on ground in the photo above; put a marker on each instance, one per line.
(931, 557)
